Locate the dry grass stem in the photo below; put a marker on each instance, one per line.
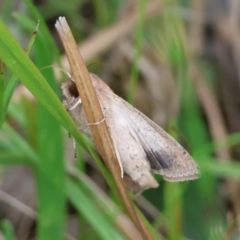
(235, 34)
(94, 114)
(21, 207)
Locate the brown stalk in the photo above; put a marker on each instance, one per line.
(94, 114)
(17, 204)
(235, 33)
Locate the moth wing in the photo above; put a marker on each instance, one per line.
(165, 155)
(134, 166)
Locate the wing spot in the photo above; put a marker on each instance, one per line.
(158, 161)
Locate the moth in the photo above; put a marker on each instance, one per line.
(141, 146)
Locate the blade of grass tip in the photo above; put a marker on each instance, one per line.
(138, 48)
(7, 230)
(14, 81)
(44, 29)
(94, 114)
(30, 44)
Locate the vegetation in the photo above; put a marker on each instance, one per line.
(176, 61)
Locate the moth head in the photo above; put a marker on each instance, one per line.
(69, 89)
(73, 91)
(70, 92)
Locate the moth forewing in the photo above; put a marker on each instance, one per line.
(131, 152)
(165, 155)
(141, 146)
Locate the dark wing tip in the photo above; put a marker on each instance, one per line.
(158, 161)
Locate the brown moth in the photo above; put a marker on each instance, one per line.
(141, 146)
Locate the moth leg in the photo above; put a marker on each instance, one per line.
(75, 105)
(96, 123)
(74, 146)
(75, 150)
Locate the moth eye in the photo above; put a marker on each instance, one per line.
(73, 89)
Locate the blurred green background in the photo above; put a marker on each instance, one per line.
(176, 61)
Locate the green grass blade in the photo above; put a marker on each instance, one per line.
(13, 83)
(6, 10)
(20, 145)
(18, 61)
(209, 148)
(11, 159)
(102, 223)
(51, 187)
(44, 29)
(7, 96)
(219, 168)
(7, 230)
(2, 86)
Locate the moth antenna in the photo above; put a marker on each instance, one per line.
(61, 69)
(183, 138)
(89, 65)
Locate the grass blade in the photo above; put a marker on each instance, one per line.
(7, 230)
(90, 212)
